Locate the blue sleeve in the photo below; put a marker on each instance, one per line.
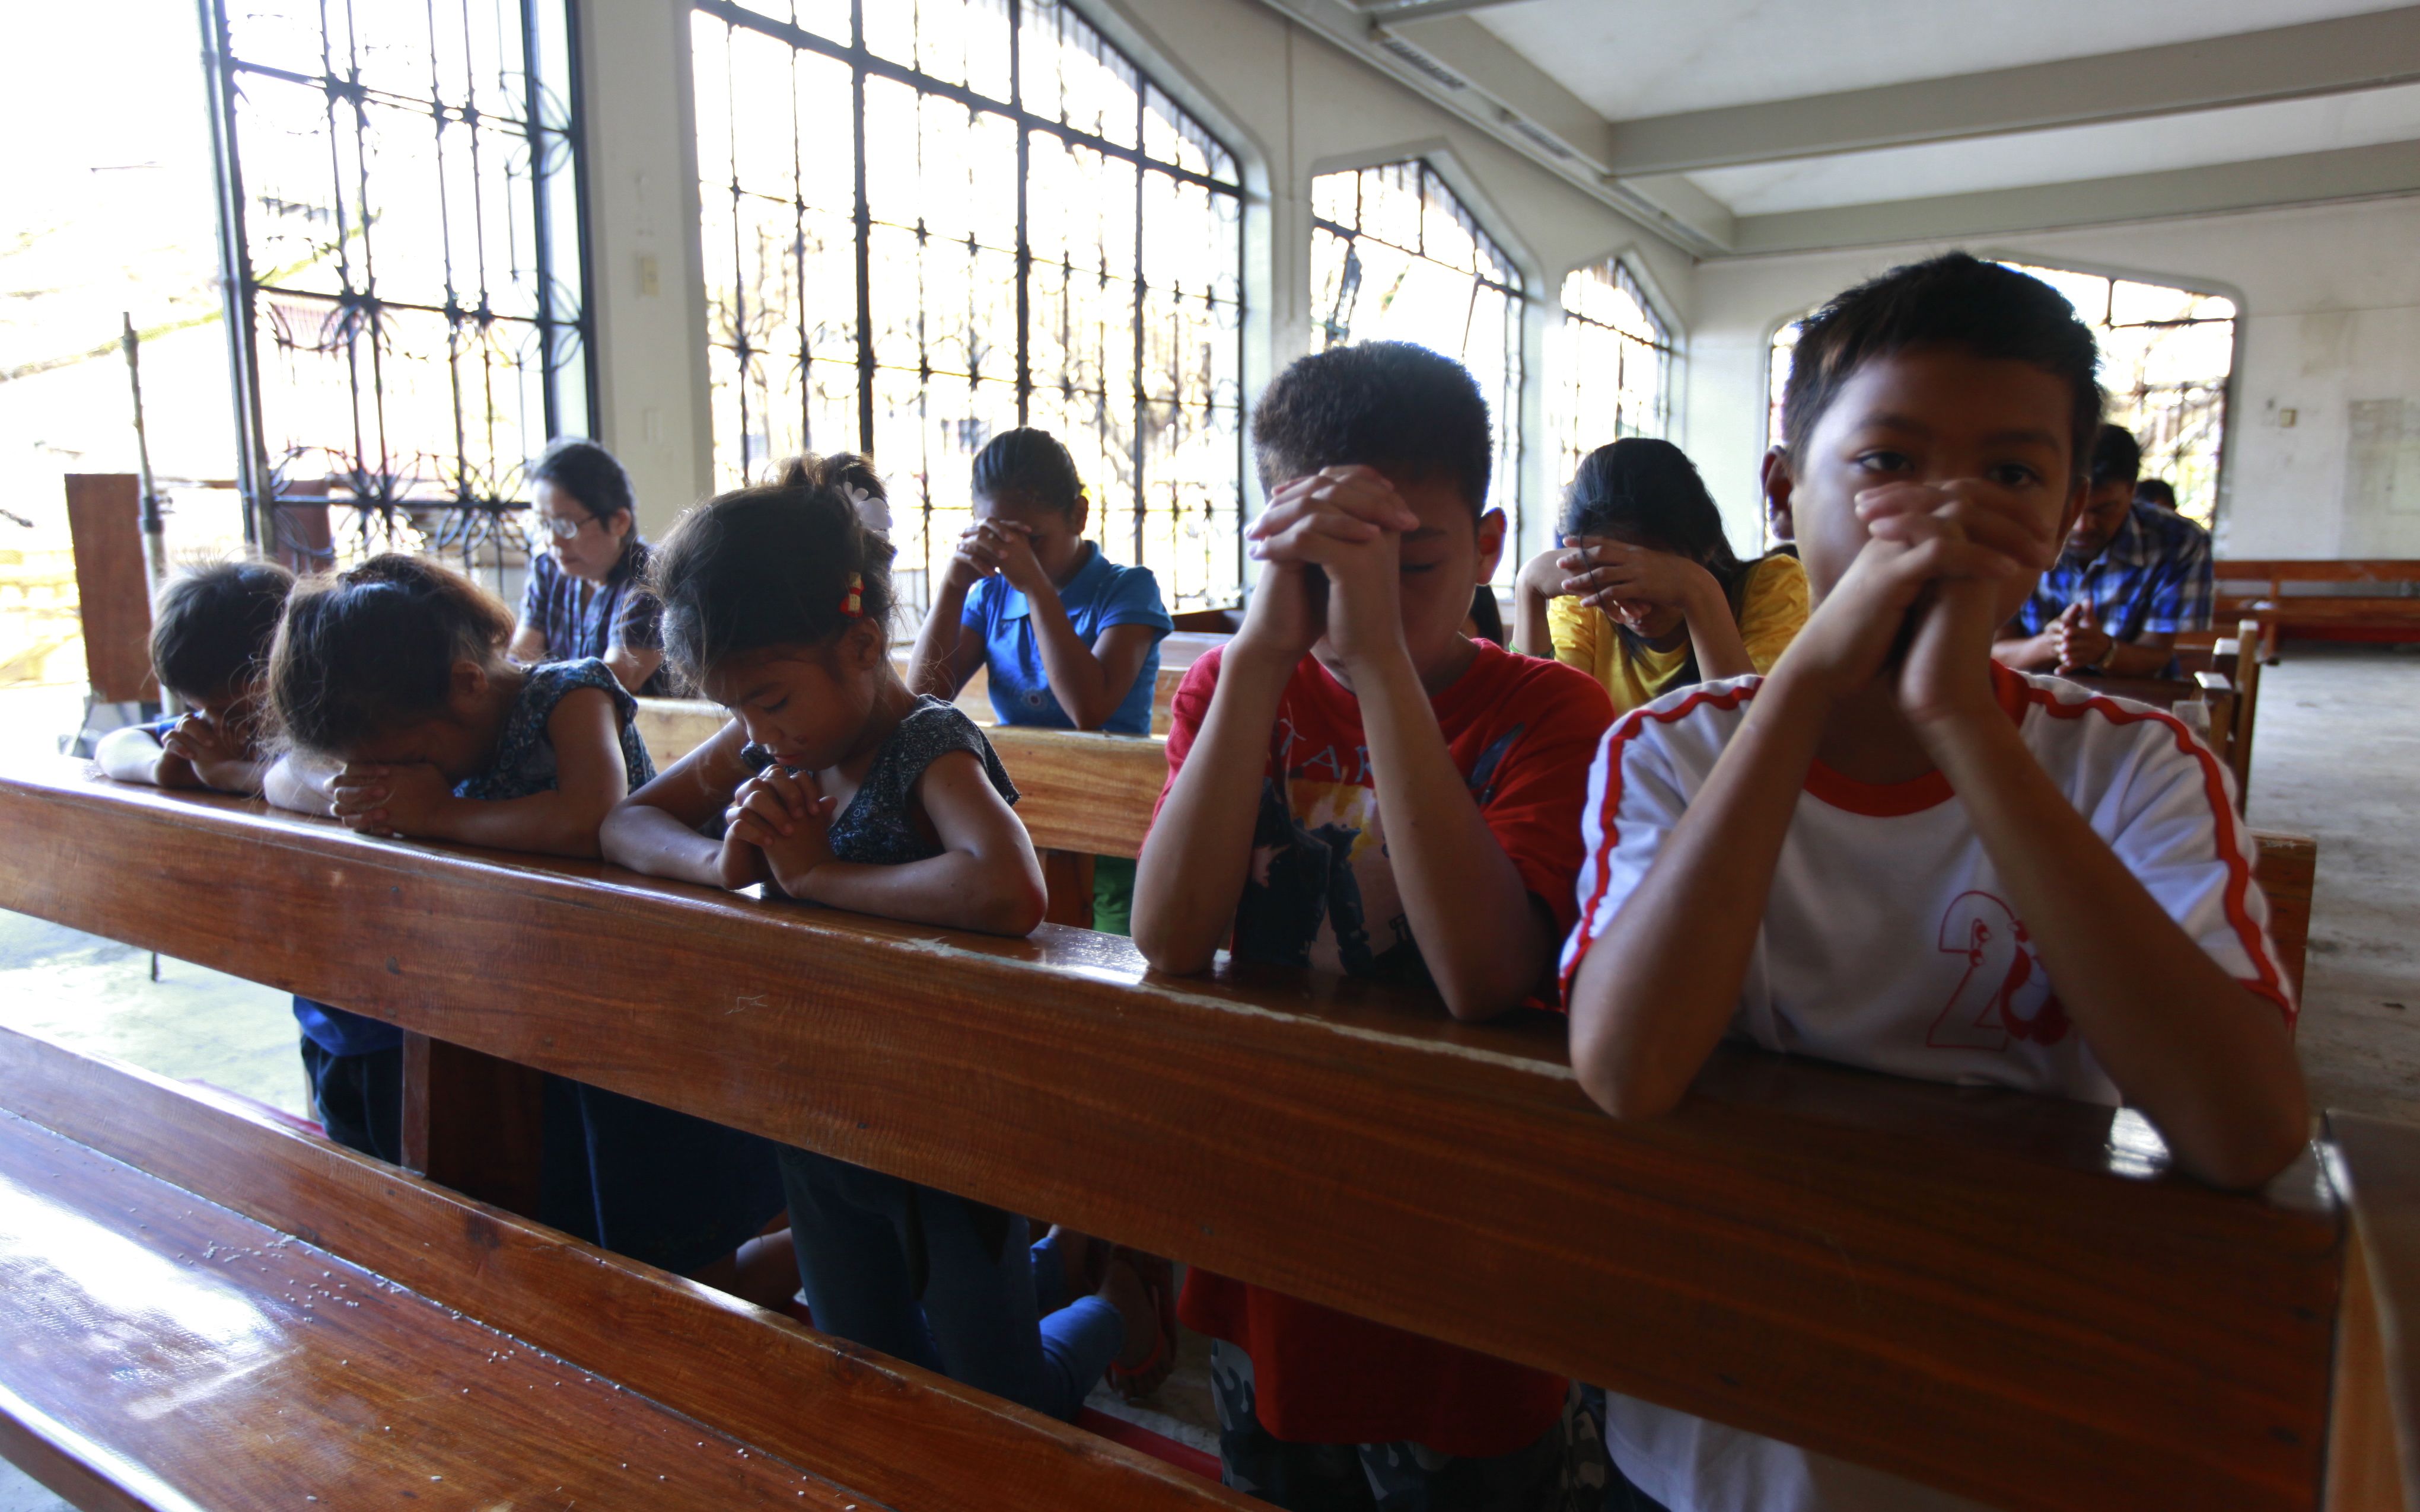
(1133, 598)
(978, 607)
(533, 591)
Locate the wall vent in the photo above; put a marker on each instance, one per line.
(1551, 146)
(1428, 66)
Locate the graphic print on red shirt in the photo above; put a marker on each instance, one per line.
(1322, 893)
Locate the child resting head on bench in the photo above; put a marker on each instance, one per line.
(210, 633)
(838, 785)
(395, 673)
(1357, 785)
(1895, 853)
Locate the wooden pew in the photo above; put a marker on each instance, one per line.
(2004, 1296)
(2374, 1442)
(208, 1309)
(2266, 589)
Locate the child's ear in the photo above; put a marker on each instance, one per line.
(1779, 487)
(865, 645)
(1080, 516)
(1491, 545)
(466, 688)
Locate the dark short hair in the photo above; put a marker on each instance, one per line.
(2156, 491)
(371, 650)
(212, 626)
(1026, 463)
(588, 473)
(2115, 456)
(1389, 405)
(1954, 299)
(771, 565)
(1647, 492)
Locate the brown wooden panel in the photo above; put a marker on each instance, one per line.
(1069, 877)
(2381, 1162)
(473, 1122)
(1997, 1294)
(113, 591)
(2291, 569)
(186, 1356)
(1082, 791)
(2286, 866)
(898, 1434)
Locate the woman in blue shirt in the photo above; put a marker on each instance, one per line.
(1069, 639)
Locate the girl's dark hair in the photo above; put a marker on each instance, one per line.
(588, 473)
(211, 628)
(366, 651)
(1647, 492)
(771, 565)
(1026, 463)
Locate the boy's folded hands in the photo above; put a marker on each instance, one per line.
(1929, 581)
(1349, 523)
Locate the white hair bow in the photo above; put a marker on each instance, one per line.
(873, 510)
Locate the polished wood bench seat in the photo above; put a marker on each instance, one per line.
(208, 1309)
(2004, 1296)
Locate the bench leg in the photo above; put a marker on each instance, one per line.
(1069, 874)
(473, 1122)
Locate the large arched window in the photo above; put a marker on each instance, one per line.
(1394, 256)
(2166, 357)
(967, 216)
(1612, 365)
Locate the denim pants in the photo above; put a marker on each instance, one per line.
(860, 1235)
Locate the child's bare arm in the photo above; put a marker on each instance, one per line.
(986, 878)
(1198, 853)
(134, 754)
(947, 653)
(658, 830)
(297, 784)
(1089, 681)
(590, 779)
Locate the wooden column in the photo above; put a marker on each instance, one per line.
(113, 593)
(473, 1122)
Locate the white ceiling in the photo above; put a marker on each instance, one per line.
(2275, 128)
(1629, 58)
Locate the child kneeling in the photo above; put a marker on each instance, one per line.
(1892, 852)
(1354, 784)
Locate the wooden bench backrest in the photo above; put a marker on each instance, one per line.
(2000, 1295)
(2280, 570)
(511, 1390)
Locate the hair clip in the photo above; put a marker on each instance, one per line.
(852, 603)
(873, 510)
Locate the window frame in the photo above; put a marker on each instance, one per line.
(863, 63)
(1665, 343)
(554, 130)
(1509, 491)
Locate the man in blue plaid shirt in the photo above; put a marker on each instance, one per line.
(2129, 577)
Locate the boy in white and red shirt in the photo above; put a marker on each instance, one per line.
(1355, 785)
(1891, 851)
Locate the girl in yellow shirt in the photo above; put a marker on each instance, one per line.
(1645, 594)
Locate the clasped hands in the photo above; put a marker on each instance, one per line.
(215, 757)
(996, 546)
(1628, 582)
(1330, 546)
(1930, 578)
(778, 829)
(402, 800)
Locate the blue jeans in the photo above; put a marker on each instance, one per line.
(860, 1238)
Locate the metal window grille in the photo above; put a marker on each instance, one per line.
(400, 227)
(2166, 356)
(929, 221)
(1615, 365)
(1395, 256)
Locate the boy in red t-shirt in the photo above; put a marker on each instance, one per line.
(1355, 785)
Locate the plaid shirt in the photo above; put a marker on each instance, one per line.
(2155, 576)
(581, 621)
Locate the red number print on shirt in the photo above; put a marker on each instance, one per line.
(2005, 992)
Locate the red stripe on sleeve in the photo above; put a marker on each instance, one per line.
(2270, 982)
(1631, 723)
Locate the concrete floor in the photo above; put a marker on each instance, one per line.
(2337, 758)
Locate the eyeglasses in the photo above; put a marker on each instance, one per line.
(564, 530)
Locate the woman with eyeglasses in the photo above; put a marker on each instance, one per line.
(587, 592)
